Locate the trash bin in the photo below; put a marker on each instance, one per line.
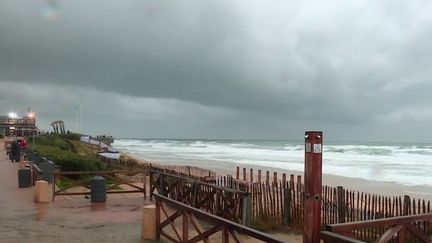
(98, 189)
(24, 178)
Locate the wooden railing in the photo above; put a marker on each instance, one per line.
(173, 210)
(36, 172)
(82, 179)
(400, 229)
(225, 202)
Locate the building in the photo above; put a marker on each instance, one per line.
(12, 125)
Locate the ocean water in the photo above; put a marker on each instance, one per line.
(404, 163)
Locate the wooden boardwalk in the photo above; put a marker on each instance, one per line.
(73, 219)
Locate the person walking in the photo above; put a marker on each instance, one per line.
(14, 153)
(22, 144)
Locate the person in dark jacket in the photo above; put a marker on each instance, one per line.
(14, 153)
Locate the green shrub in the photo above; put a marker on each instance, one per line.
(67, 160)
(71, 136)
(68, 152)
(54, 140)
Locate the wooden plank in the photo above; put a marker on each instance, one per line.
(275, 203)
(225, 235)
(205, 234)
(169, 237)
(417, 232)
(345, 227)
(281, 198)
(198, 227)
(236, 236)
(185, 223)
(261, 200)
(331, 237)
(170, 219)
(340, 205)
(429, 228)
(158, 219)
(325, 205)
(284, 181)
(389, 234)
(271, 204)
(406, 205)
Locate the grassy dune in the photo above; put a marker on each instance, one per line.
(67, 151)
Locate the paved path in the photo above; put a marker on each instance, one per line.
(65, 220)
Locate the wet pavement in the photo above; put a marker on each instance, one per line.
(67, 219)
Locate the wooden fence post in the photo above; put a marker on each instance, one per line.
(275, 182)
(406, 211)
(162, 185)
(283, 180)
(341, 204)
(292, 182)
(246, 209)
(244, 174)
(218, 207)
(267, 177)
(259, 176)
(406, 205)
(238, 173)
(158, 218)
(151, 184)
(287, 206)
(195, 187)
(251, 176)
(144, 174)
(312, 187)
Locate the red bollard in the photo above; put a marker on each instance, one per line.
(312, 187)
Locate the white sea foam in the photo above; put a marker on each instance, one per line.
(409, 164)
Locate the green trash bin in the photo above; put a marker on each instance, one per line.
(24, 178)
(98, 189)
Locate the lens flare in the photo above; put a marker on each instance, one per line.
(50, 10)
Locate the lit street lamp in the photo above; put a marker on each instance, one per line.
(12, 115)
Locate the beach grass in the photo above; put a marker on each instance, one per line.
(68, 152)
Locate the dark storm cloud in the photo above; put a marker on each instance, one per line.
(339, 62)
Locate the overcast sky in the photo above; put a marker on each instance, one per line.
(358, 70)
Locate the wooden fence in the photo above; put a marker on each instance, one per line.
(221, 201)
(281, 201)
(188, 216)
(413, 228)
(127, 163)
(82, 179)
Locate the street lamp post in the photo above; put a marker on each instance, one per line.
(32, 119)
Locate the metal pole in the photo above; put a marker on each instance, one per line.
(80, 119)
(313, 190)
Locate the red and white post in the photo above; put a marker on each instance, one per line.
(313, 189)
